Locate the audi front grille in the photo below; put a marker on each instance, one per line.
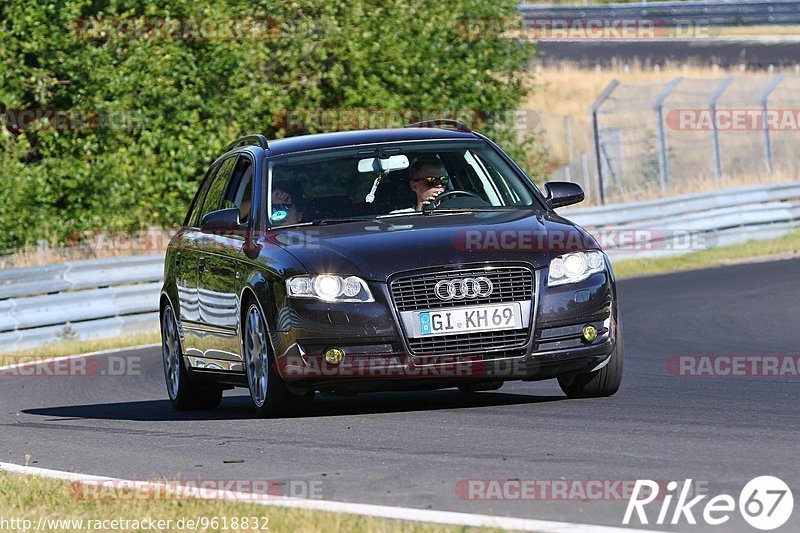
(417, 292)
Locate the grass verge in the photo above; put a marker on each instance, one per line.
(788, 245)
(31, 497)
(79, 346)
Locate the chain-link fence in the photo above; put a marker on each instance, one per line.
(687, 135)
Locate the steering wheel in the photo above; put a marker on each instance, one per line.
(436, 202)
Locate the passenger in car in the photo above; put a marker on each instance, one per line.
(284, 208)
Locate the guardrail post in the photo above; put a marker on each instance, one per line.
(596, 133)
(663, 154)
(712, 106)
(776, 81)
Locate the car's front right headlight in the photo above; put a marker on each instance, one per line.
(575, 267)
(329, 288)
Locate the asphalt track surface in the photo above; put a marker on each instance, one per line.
(757, 54)
(411, 449)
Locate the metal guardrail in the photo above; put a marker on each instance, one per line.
(79, 299)
(110, 297)
(720, 13)
(693, 222)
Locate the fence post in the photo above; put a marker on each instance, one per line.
(776, 81)
(712, 106)
(570, 146)
(596, 133)
(609, 163)
(663, 155)
(623, 165)
(585, 167)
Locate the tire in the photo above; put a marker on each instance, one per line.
(600, 383)
(480, 386)
(184, 394)
(268, 392)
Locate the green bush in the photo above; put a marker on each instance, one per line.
(167, 107)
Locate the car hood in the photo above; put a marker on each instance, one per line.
(376, 249)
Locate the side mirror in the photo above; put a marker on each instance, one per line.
(561, 193)
(222, 220)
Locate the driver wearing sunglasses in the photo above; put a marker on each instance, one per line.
(428, 180)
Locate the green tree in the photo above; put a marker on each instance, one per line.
(167, 106)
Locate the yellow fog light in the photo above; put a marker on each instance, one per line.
(334, 356)
(589, 333)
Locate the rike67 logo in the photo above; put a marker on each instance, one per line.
(765, 503)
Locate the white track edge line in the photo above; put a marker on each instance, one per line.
(34, 362)
(378, 511)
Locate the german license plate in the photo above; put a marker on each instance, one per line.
(470, 319)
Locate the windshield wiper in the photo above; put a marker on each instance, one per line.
(470, 209)
(322, 222)
(328, 221)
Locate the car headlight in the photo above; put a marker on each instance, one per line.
(574, 267)
(329, 288)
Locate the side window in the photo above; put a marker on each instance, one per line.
(239, 192)
(213, 200)
(193, 217)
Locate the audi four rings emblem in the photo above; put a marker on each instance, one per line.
(459, 289)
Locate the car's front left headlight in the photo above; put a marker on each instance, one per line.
(574, 267)
(329, 288)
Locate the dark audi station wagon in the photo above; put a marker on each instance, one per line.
(398, 259)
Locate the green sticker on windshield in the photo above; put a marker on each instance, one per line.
(277, 216)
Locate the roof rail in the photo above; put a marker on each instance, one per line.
(448, 123)
(253, 139)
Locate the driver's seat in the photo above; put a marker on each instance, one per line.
(394, 193)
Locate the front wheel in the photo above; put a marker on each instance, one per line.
(268, 393)
(184, 394)
(600, 383)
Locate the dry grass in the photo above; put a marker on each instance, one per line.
(567, 91)
(747, 31)
(75, 347)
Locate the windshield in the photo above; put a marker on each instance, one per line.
(392, 180)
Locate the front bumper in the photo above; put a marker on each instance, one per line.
(377, 356)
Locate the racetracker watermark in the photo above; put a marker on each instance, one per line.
(491, 240)
(553, 489)
(401, 366)
(171, 29)
(157, 240)
(151, 240)
(733, 119)
(579, 29)
(765, 503)
(20, 120)
(733, 366)
(70, 367)
(245, 490)
(349, 119)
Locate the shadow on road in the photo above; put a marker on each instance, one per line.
(238, 407)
